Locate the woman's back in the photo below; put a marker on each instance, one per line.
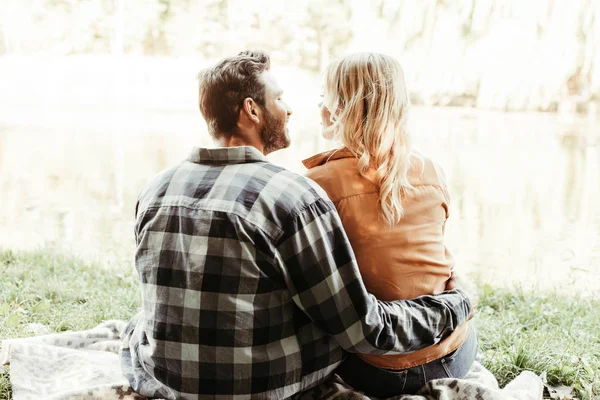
(393, 205)
(400, 261)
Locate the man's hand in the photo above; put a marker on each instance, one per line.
(451, 283)
(458, 282)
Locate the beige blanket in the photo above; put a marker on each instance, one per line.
(85, 365)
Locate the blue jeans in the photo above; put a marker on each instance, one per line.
(384, 383)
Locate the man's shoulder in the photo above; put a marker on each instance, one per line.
(290, 191)
(159, 182)
(262, 193)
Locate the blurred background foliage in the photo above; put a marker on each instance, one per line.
(507, 55)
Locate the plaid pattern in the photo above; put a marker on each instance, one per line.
(250, 287)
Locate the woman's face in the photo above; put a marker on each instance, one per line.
(325, 121)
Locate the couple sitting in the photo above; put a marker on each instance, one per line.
(259, 283)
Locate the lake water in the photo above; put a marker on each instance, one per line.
(525, 187)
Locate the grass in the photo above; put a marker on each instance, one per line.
(517, 330)
(539, 332)
(61, 292)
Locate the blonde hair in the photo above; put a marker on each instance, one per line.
(368, 101)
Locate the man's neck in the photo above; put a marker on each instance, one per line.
(236, 141)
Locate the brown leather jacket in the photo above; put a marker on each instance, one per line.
(402, 261)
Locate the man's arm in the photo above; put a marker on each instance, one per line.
(321, 272)
(458, 281)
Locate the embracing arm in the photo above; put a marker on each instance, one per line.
(321, 273)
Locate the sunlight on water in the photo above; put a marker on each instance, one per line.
(524, 187)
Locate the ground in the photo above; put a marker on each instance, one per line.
(48, 291)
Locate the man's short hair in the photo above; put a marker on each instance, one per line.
(223, 88)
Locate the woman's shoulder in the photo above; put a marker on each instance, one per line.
(326, 157)
(425, 172)
(329, 163)
(336, 172)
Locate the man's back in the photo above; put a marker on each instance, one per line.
(219, 318)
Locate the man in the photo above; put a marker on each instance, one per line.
(250, 288)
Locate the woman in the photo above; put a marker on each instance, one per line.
(394, 205)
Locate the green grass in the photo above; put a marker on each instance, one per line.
(60, 292)
(541, 332)
(517, 330)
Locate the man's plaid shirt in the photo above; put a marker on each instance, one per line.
(250, 288)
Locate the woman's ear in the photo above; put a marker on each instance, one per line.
(251, 110)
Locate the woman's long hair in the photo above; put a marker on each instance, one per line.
(368, 101)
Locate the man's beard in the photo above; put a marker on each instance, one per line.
(273, 134)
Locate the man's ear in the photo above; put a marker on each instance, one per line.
(251, 110)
